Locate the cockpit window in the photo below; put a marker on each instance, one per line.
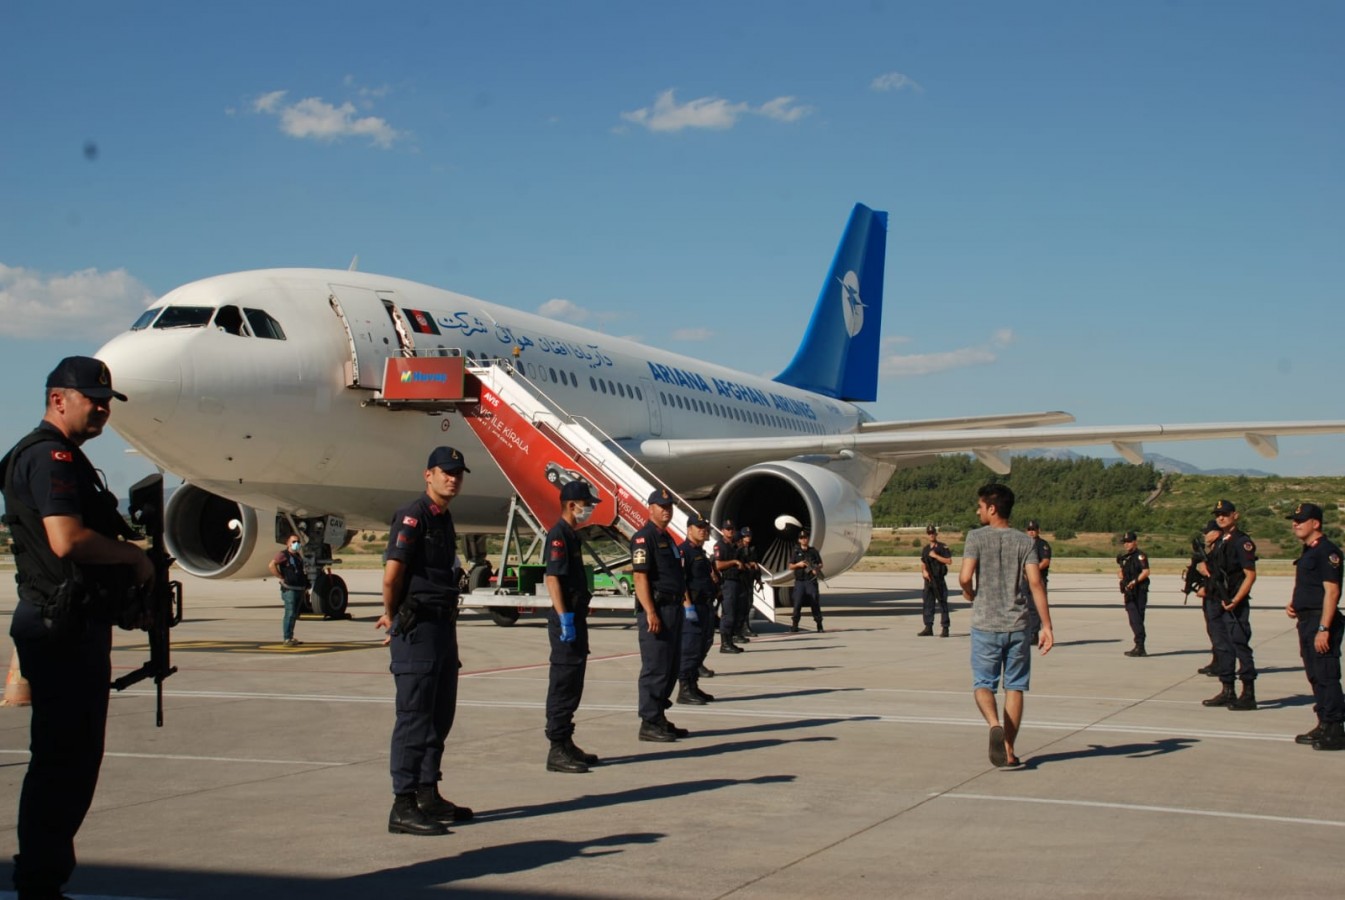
(185, 317)
(229, 319)
(145, 318)
(263, 326)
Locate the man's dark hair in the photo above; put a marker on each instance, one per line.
(1000, 497)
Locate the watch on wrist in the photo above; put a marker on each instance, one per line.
(1321, 628)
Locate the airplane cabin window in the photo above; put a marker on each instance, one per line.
(592, 383)
(230, 320)
(263, 326)
(145, 318)
(638, 395)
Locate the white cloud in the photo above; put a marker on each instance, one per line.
(692, 334)
(315, 118)
(564, 310)
(894, 81)
(710, 112)
(929, 363)
(84, 304)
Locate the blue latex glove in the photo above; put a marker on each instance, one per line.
(567, 632)
(691, 614)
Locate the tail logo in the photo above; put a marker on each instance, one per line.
(852, 307)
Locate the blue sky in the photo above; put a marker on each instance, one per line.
(1128, 211)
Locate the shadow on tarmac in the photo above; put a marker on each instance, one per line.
(782, 694)
(633, 795)
(1133, 751)
(419, 879)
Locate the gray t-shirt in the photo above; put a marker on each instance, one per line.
(1001, 554)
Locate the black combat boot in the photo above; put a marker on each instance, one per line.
(1137, 650)
(1312, 736)
(704, 672)
(688, 695)
(559, 759)
(406, 818)
(726, 645)
(436, 807)
(927, 631)
(1247, 700)
(1212, 669)
(1225, 697)
(794, 627)
(696, 686)
(653, 731)
(673, 729)
(588, 759)
(1333, 737)
(944, 633)
(820, 629)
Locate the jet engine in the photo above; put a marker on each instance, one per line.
(812, 495)
(213, 537)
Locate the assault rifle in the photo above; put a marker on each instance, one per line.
(1192, 579)
(160, 602)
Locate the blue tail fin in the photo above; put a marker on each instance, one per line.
(839, 353)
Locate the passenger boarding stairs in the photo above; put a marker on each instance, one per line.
(539, 447)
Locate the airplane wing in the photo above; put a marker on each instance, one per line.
(990, 444)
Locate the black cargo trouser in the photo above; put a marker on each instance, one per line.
(70, 675)
(660, 656)
(425, 670)
(569, 662)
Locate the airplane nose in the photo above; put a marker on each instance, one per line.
(150, 378)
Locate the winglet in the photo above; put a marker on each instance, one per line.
(839, 354)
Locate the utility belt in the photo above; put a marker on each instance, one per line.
(412, 612)
(666, 598)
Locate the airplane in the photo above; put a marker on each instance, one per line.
(261, 391)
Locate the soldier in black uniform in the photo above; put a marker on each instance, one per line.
(1196, 578)
(1043, 549)
(72, 568)
(697, 614)
(567, 628)
(1232, 571)
(728, 565)
(749, 575)
(807, 565)
(934, 561)
(1314, 605)
(1133, 581)
(420, 613)
(660, 588)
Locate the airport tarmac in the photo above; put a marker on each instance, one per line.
(845, 764)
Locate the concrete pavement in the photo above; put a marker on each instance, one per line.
(845, 764)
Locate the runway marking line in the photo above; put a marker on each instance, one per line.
(1139, 807)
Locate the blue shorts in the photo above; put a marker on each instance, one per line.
(993, 652)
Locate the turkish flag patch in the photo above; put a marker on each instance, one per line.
(411, 521)
(62, 456)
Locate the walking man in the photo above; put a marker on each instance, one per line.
(994, 561)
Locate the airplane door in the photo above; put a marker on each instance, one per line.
(371, 331)
(655, 411)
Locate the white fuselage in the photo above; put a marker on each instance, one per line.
(277, 424)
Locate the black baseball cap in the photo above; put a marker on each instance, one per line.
(660, 497)
(931, 529)
(448, 459)
(1307, 511)
(1033, 525)
(1224, 507)
(1128, 537)
(578, 490)
(698, 522)
(726, 525)
(744, 532)
(85, 374)
(805, 533)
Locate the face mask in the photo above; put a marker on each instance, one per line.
(294, 547)
(583, 514)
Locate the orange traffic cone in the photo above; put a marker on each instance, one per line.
(17, 692)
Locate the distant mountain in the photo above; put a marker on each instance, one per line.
(1165, 464)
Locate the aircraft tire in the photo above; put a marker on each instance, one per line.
(331, 597)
